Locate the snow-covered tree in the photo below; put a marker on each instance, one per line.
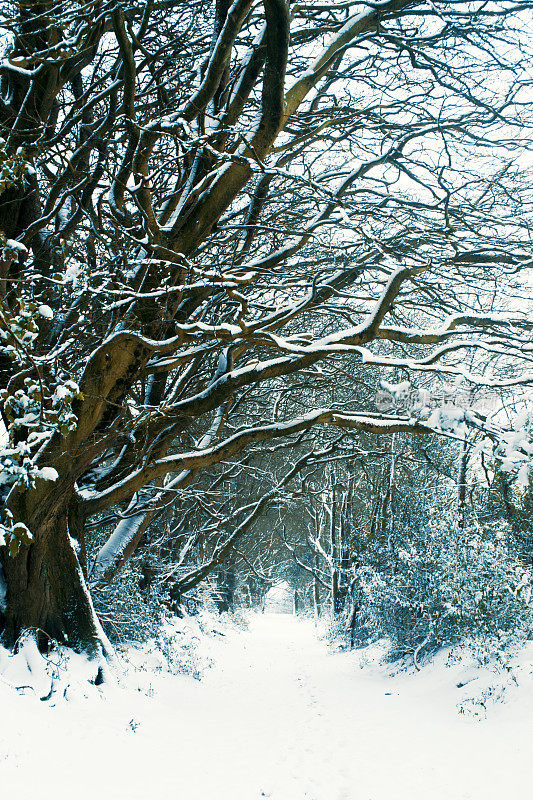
(214, 201)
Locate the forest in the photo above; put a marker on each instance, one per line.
(265, 317)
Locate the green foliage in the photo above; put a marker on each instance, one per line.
(18, 328)
(14, 534)
(34, 414)
(33, 410)
(36, 407)
(12, 167)
(9, 249)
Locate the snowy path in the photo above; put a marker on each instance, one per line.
(277, 717)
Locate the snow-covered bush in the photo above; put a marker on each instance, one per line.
(149, 636)
(443, 584)
(12, 167)
(128, 614)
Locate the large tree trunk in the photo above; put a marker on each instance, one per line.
(45, 586)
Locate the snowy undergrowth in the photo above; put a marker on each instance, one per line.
(28, 672)
(475, 676)
(183, 646)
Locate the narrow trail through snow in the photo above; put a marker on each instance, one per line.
(278, 717)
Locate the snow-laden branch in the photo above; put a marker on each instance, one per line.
(218, 61)
(208, 456)
(220, 552)
(130, 530)
(357, 25)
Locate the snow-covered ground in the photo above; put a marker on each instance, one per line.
(279, 716)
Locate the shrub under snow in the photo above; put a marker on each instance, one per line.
(443, 585)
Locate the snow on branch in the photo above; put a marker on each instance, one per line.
(234, 444)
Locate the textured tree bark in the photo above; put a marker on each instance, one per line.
(336, 599)
(461, 484)
(226, 584)
(45, 586)
(316, 590)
